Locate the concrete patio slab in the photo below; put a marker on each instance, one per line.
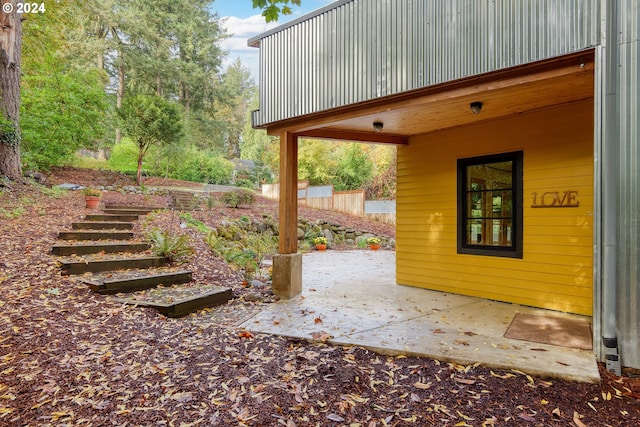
(352, 297)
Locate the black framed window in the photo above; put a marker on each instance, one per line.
(490, 205)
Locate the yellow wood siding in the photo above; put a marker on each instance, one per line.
(556, 270)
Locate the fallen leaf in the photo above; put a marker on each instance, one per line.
(576, 419)
(526, 416)
(335, 417)
(422, 386)
(321, 336)
(182, 397)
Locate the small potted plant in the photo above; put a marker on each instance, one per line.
(320, 242)
(92, 197)
(374, 243)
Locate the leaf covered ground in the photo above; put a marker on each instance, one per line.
(71, 357)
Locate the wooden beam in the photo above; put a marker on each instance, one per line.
(288, 193)
(379, 138)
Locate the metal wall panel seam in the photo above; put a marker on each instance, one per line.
(596, 325)
(629, 295)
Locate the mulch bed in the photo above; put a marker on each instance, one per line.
(71, 357)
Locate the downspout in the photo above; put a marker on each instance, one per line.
(610, 165)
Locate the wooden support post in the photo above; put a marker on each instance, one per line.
(288, 193)
(287, 265)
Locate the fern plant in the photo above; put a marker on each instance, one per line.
(174, 248)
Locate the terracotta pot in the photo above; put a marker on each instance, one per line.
(92, 202)
(321, 246)
(374, 247)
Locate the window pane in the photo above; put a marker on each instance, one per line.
(475, 232)
(492, 175)
(501, 206)
(475, 205)
(489, 207)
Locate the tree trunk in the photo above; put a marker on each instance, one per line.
(10, 55)
(140, 157)
(100, 34)
(120, 93)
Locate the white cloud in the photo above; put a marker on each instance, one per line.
(242, 29)
(248, 26)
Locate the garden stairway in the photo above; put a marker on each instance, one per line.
(102, 249)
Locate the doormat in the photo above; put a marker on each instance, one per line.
(573, 333)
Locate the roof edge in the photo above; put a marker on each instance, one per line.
(255, 40)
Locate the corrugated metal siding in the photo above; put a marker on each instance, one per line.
(629, 221)
(366, 49)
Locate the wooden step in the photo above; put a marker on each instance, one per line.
(111, 218)
(183, 200)
(95, 235)
(94, 266)
(98, 225)
(213, 296)
(135, 208)
(126, 211)
(107, 248)
(130, 284)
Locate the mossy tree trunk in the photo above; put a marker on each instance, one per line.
(10, 55)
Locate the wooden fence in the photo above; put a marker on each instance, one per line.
(350, 202)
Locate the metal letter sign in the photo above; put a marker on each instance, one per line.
(553, 199)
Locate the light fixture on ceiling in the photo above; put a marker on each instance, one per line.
(476, 107)
(377, 126)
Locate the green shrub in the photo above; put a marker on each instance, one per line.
(246, 260)
(196, 166)
(261, 244)
(63, 109)
(170, 246)
(236, 198)
(124, 157)
(241, 182)
(194, 223)
(89, 162)
(210, 200)
(361, 243)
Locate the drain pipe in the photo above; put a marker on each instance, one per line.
(610, 166)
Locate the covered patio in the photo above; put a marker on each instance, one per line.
(351, 298)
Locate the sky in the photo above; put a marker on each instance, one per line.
(244, 22)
